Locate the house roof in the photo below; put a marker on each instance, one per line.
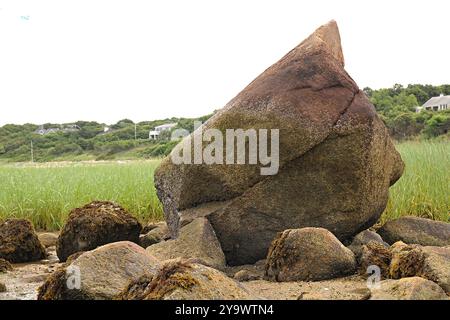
(437, 101)
(166, 125)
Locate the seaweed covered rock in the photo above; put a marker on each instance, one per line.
(100, 274)
(19, 242)
(135, 290)
(336, 159)
(432, 263)
(94, 225)
(374, 254)
(5, 266)
(196, 240)
(185, 280)
(308, 254)
(416, 230)
(413, 288)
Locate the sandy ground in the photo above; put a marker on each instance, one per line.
(350, 288)
(23, 281)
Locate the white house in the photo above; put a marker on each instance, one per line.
(436, 104)
(153, 135)
(43, 131)
(67, 128)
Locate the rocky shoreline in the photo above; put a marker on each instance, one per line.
(408, 271)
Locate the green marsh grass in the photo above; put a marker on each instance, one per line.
(424, 188)
(45, 193)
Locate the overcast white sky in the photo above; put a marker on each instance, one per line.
(105, 60)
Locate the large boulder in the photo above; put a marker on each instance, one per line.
(308, 254)
(196, 240)
(432, 263)
(94, 225)
(184, 280)
(413, 288)
(336, 160)
(19, 242)
(101, 274)
(415, 230)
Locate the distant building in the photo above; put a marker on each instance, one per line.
(67, 128)
(71, 128)
(43, 131)
(436, 104)
(153, 134)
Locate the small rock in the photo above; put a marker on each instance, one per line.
(308, 254)
(147, 240)
(94, 225)
(247, 275)
(19, 242)
(414, 288)
(363, 238)
(5, 266)
(48, 239)
(196, 240)
(432, 263)
(183, 280)
(154, 236)
(415, 230)
(100, 274)
(2, 287)
(247, 272)
(375, 253)
(153, 225)
(149, 227)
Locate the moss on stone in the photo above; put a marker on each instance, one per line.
(171, 276)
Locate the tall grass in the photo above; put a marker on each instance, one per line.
(45, 193)
(424, 188)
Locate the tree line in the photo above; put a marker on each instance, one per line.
(395, 106)
(90, 141)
